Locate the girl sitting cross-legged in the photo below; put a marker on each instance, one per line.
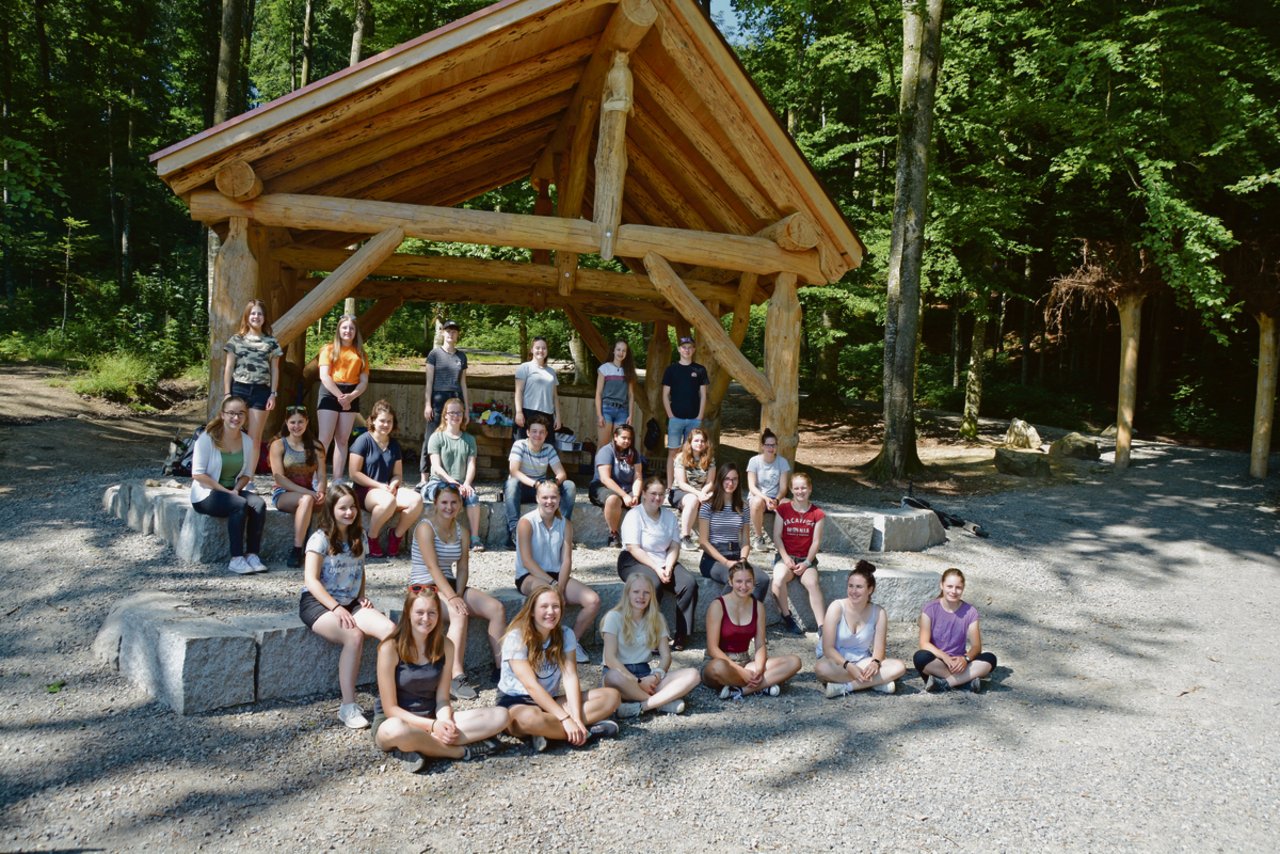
(632, 630)
(851, 646)
(733, 622)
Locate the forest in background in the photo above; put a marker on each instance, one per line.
(1145, 130)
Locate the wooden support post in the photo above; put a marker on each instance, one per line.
(657, 358)
(1264, 403)
(782, 356)
(737, 334)
(709, 329)
(616, 104)
(238, 181)
(590, 335)
(542, 207)
(338, 284)
(235, 282)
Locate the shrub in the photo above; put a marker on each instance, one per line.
(121, 377)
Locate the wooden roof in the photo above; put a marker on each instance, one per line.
(495, 97)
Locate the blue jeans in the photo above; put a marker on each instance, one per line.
(516, 493)
(678, 429)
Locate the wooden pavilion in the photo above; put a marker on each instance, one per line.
(662, 153)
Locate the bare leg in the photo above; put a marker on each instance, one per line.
(598, 704)
(671, 466)
(473, 725)
(351, 641)
(341, 438)
(486, 607)
(473, 519)
(381, 505)
(757, 516)
(409, 503)
(613, 513)
(810, 582)
(778, 586)
(673, 686)
(688, 513)
(588, 602)
(326, 427)
(301, 506)
(257, 423)
(457, 632)
(718, 673)
(776, 671)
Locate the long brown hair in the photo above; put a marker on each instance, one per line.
(244, 317)
(628, 361)
(522, 622)
(402, 637)
(310, 444)
(354, 537)
(686, 451)
(719, 494)
(217, 427)
(359, 339)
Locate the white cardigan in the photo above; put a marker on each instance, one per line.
(206, 459)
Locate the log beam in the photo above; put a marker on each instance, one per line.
(782, 334)
(338, 285)
(590, 335)
(616, 103)
(709, 328)
(542, 206)
(728, 251)
(238, 181)
(737, 334)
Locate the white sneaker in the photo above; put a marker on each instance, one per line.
(240, 566)
(836, 689)
(629, 710)
(886, 688)
(773, 691)
(255, 563)
(350, 714)
(675, 707)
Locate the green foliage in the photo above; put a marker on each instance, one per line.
(120, 377)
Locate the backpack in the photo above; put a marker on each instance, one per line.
(948, 520)
(178, 462)
(652, 436)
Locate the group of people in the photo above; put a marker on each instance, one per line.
(422, 661)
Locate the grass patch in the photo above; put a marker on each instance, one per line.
(45, 347)
(120, 377)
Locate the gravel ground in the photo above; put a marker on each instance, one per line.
(1125, 612)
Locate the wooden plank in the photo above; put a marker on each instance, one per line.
(733, 252)
(611, 152)
(712, 334)
(286, 121)
(782, 356)
(336, 286)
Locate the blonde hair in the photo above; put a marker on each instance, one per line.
(337, 338)
(523, 624)
(651, 622)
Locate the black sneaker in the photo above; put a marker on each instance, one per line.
(479, 750)
(495, 674)
(410, 761)
(934, 685)
(975, 686)
(605, 729)
(460, 688)
(615, 541)
(295, 557)
(792, 626)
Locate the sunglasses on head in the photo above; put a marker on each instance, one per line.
(294, 410)
(419, 589)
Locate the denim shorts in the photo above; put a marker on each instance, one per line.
(616, 414)
(678, 429)
(639, 671)
(255, 395)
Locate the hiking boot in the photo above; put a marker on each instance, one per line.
(460, 688)
(240, 566)
(837, 689)
(350, 714)
(887, 688)
(792, 626)
(409, 761)
(629, 710)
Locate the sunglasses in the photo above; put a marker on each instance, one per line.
(294, 410)
(419, 589)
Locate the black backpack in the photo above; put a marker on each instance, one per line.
(178, 463)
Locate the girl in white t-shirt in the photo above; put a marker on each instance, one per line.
(632, 630)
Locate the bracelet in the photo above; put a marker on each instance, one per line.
(968, 659)
(563, 719)
(876, 660)
(846, 664)
(433, 724)
(273, 393)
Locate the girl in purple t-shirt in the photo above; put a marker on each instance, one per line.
(950, 653)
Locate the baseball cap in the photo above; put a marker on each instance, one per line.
(451, 324)
(686, 340)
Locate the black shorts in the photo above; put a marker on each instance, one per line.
(255, 395)
(327, 402)
(555, 577)
(506, 701)
(310, 609)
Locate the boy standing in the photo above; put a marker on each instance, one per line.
(684, 396)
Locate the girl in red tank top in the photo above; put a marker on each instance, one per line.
(733, 622)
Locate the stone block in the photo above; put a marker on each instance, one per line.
(1022, 435)
(906, 529)
(847, 531)
(190, 664)
(293, 661)
(111, 497)
(129, 614)
(170, 511)
(138, 514)
(1022, 463)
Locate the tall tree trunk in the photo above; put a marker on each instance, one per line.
(955, 345)
(828, 369)
(977, 363)
(224, 97)
(1130, 307)
(308, 21)
(246, 47)
(363, 28)
(1265, 398)
(581, 359)
(6, 98)
(921, 56)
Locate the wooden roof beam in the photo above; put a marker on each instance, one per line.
(336, 286)
(590, 334)
(728, 251)
(616, 103)
(709, 328)
(597, 282)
